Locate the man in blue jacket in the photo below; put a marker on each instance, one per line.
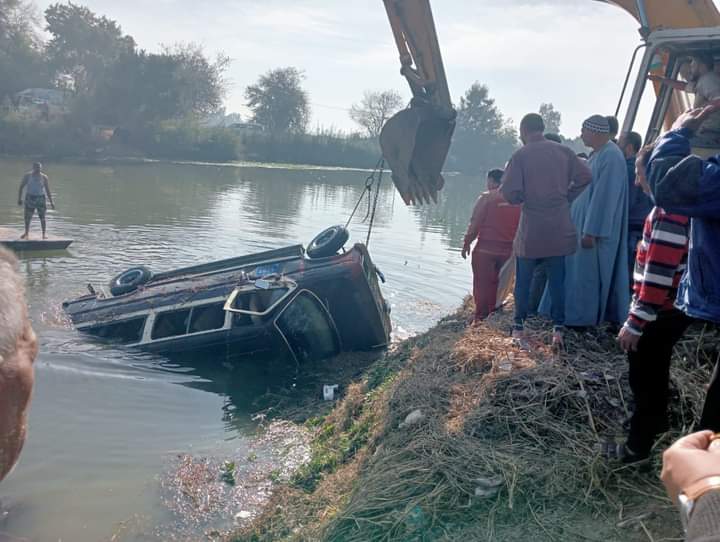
(692, 188)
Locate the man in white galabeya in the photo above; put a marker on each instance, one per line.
(36, 187)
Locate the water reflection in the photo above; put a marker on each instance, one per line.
(105, 422)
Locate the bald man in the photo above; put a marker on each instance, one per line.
(18, 348)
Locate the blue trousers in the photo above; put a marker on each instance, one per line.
(555, 269)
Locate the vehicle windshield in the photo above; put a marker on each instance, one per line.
(308, 329)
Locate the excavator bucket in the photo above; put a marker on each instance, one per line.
(415, 143)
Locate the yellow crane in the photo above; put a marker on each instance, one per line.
(415, 142)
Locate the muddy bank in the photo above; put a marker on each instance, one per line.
(459, 435)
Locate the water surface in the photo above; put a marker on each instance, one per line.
(106, 423)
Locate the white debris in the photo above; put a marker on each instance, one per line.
(415, 417)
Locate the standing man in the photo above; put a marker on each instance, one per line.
(36, 186)
(545, 177)
(597, 286)
(493, 224)
(692, 189)
(640, 203)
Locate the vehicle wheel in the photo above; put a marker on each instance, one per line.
(328, 242)
(129, 280)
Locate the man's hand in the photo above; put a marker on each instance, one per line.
(588, 241)
(693, 118)
(656, 78)
(52, 205)
(465, 251)
(690, 459)
(20, 202)
(628, 341)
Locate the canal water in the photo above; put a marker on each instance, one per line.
(107, 424)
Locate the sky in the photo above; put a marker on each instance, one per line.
(572, 53)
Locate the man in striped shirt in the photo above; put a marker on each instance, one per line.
(654, 325)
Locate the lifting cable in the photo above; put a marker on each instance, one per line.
(375, 178)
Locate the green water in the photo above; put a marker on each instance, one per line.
(106, 423)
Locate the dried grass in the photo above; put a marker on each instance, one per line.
(531, 419)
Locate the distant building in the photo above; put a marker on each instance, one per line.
(246, 128)
(43, 103)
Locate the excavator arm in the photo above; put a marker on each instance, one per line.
(415, 141)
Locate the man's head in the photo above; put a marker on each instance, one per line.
(701, 64)
(37, 167)
(554, 137)
(595, 132)
(532, 127)
(18, 348)
(494, 179)
(614, 126)
(630, 144)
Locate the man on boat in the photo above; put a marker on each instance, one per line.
(36, 187)
(18, 348)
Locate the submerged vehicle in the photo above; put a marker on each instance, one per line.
(309, 304)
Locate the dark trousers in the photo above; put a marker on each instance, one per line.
(524, 271)
(537, 287)
(486, 267)
(650, 379)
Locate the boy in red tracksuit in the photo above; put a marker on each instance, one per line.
(494, 223)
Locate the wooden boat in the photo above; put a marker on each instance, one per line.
(280, 301)
(11, 239)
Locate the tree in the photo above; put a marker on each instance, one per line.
(83, 44)
(21, 61)
(375, 108)
(483, 138)
(279, 102)
(551, 117)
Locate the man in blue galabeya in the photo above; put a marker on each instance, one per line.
(596, 276)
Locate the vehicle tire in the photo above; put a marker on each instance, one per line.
(328, 242)
(129, 280)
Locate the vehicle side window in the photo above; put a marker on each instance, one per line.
(127, 331)
(207, 317)
(258, 300)
(308, 329)
(171, 323)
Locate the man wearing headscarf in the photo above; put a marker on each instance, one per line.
(597, 285)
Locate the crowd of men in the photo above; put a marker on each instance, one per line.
(628, 221)
(591, 225)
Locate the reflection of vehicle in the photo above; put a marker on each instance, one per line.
(415, 142)
(276, 301)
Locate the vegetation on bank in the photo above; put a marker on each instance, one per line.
(459, 435)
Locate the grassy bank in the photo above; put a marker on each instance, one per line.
(459, 435)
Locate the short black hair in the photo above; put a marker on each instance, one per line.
(634, 139)
(553, 137)
(706, 59)
(613, 123)
(496, 175)
(533, 122)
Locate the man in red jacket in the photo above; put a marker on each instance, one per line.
(493, 224)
